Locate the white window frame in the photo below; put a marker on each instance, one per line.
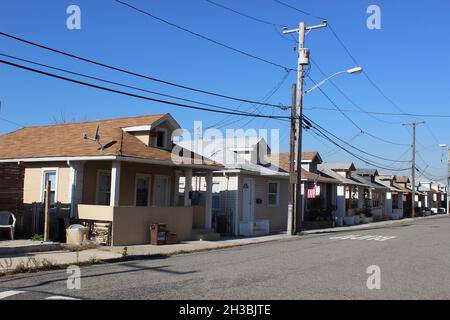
(43, 171)
(277, 194)
(167, 191)
(97, 185)
(143, 175)
(165, 138)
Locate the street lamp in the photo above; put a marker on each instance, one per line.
(355, 70)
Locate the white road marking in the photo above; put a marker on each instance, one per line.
(10, 293)
(363, 237)
(60, 298)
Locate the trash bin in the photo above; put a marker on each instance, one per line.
(76, 234)
(158, 234)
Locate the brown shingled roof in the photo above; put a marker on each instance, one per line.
(66, 140)
(283, 163)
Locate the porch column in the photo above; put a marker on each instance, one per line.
(400, 200)
(75, 195)
(187, 186)
(360, 197)
(115, 184)
(388, 203)
(340, 205)
(208, 200)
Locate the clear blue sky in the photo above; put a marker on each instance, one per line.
(408, 58)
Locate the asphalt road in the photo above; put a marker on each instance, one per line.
(413, 261)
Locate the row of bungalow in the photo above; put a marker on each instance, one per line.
(127, 173)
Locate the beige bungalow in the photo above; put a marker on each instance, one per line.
(119, 171)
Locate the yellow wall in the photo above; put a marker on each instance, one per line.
(93, 212)
(90, 179)
(131, 225)
(33, 181)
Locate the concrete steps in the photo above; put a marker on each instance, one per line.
(205, 235)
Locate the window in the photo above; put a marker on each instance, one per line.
(142, 190)
(103, 187)
(273, 195)
(161, 138)
(49, 176)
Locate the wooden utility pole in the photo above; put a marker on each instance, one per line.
(292, 177)
(47, 212)
(413, 165)
(303, 59)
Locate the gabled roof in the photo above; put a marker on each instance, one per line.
(344, 166)
(402, 179)
(367, 172)
(309, 156)
(387, 184)
(401, 187)
(366, 181)
(283, 163)
(66, 140)
(341, 179)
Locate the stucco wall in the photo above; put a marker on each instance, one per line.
(33, 181)
(276, 215)
(131, 225)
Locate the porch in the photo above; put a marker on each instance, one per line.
(122, 198)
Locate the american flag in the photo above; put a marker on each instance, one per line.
(311, 189)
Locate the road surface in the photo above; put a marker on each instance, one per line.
(408, 262)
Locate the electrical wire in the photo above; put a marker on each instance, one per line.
(250, 55)
(104, 65)
(224, 110)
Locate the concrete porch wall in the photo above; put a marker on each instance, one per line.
(131, 225)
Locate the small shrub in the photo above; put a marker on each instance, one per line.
(37, 237)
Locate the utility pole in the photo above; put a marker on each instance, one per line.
(291, 220)
(413, 164)
(303, 59)
(448, 179)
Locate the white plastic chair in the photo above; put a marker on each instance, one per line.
(5, 217)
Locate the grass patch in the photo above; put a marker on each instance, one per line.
(37, 237)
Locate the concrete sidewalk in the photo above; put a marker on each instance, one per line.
(108, 254)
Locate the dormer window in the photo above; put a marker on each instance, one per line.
(161, 138)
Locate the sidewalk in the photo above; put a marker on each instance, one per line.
(110, 254)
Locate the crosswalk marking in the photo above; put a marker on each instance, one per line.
(60, 298)
(363, 237)
(10, 293)
(36, 295)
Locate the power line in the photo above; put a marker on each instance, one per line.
(351, 120)
(114, 83)
(135, 73)
(263, 21)
(11, 122)
(356, 148)
(250, 55)
(299, 10)
(224, 111)
(382, 113)
(366, 161)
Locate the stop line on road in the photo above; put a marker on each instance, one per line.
(363, 237)
(23, 294)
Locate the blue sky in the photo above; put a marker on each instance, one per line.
(407, 58)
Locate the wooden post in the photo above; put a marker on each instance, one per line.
(47, 212)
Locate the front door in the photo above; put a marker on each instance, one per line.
(161, 195)
(248, 200)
